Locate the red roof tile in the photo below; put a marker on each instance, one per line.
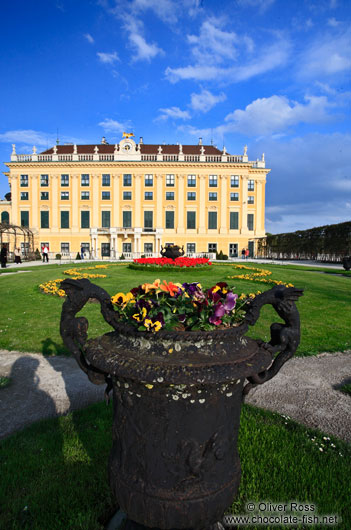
(147, 149)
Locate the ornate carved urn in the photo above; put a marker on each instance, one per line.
(177, 397)
(172, 252)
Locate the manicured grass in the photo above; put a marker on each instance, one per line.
(54, 474)
(4, 382)
(325, 308)
(346, 389)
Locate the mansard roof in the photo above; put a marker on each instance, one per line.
(148, 149)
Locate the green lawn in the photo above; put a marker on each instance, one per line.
(54, 474)
(325, 308)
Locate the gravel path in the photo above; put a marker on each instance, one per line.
(305, 389)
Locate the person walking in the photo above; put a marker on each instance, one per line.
(3, 256)
(82, 252)
(17, 253)
(243, 254)
(45, 252)
(247, 253)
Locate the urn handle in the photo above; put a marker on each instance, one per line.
(285, 338)
(74, 330)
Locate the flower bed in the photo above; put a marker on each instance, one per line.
(52, 287)
(178, 262)
(257, 275)
(175, 306)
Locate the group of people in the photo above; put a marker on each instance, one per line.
(245, 253)
(3, 255)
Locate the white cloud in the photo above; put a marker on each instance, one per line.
(333, 22)
(89, 38)
(213, 44)
(108, 58)
(175, 113)
(267, 59)
(114, 126)
(266, 116)
(166, 10)
(28, 136)
(142, 50)
(205, 100)
(261, 5)
(327, 56)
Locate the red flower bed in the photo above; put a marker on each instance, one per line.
(178, 262)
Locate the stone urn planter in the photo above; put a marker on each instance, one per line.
(177, 397)
(172, 252)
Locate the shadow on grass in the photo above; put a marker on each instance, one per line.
(50, 347)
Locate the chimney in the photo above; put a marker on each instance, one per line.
(103, 140)
(200, 141)
(141, 141)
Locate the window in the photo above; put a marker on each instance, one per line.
(213, 181)
(148, 247)
(169, 195)
(44, 219)
(212, 196)
(234, 181)
(24, 181)
(251, 199)
(105, 219)
(44, 195)
(127, 195)
(44, 180)
(85, 181)
(191, 220)
(169, 244)
(106, 180)
(169, 180)
(24, 195)
(212, 220)
(105, 249)
(126, 247)
(85, 195)
(106, 195)
(148, 221)
(212, 247)
(64, 180)
(127, 180)
(251, 185)
(85, 219)
(149, 181)
(64, 219)
(169, 219)
(250, 221)
(191, 195)
(148, 196)
(127, 219)
(234, 220)
(64, 195)
(5, 217)
(64, 248)
(85, 247)
(234, 196)
(190, 248)
(191, 181)
(25, 219)
(233, 250)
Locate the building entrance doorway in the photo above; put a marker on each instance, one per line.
(251, 249)
(105, 250)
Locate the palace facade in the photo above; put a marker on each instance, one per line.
(131, 198)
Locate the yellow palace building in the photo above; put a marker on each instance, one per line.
(131, 198)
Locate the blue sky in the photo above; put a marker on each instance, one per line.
(272, 74)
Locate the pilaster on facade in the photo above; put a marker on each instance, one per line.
(34, 192)
(54, 202)
(181, 209)
(223, 221)
(202, 213)
(116, 199)
(75, 210)
(96, 200)
(244, 229)
(159, 201)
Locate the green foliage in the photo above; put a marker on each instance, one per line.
(221, 256)
(4, 381)
(78, 256)
(122, 256)
(37, 255)
(346, 389)
(58, 256)
(280, 461)
(324, 242)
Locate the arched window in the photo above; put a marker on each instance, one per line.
(5, 218)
